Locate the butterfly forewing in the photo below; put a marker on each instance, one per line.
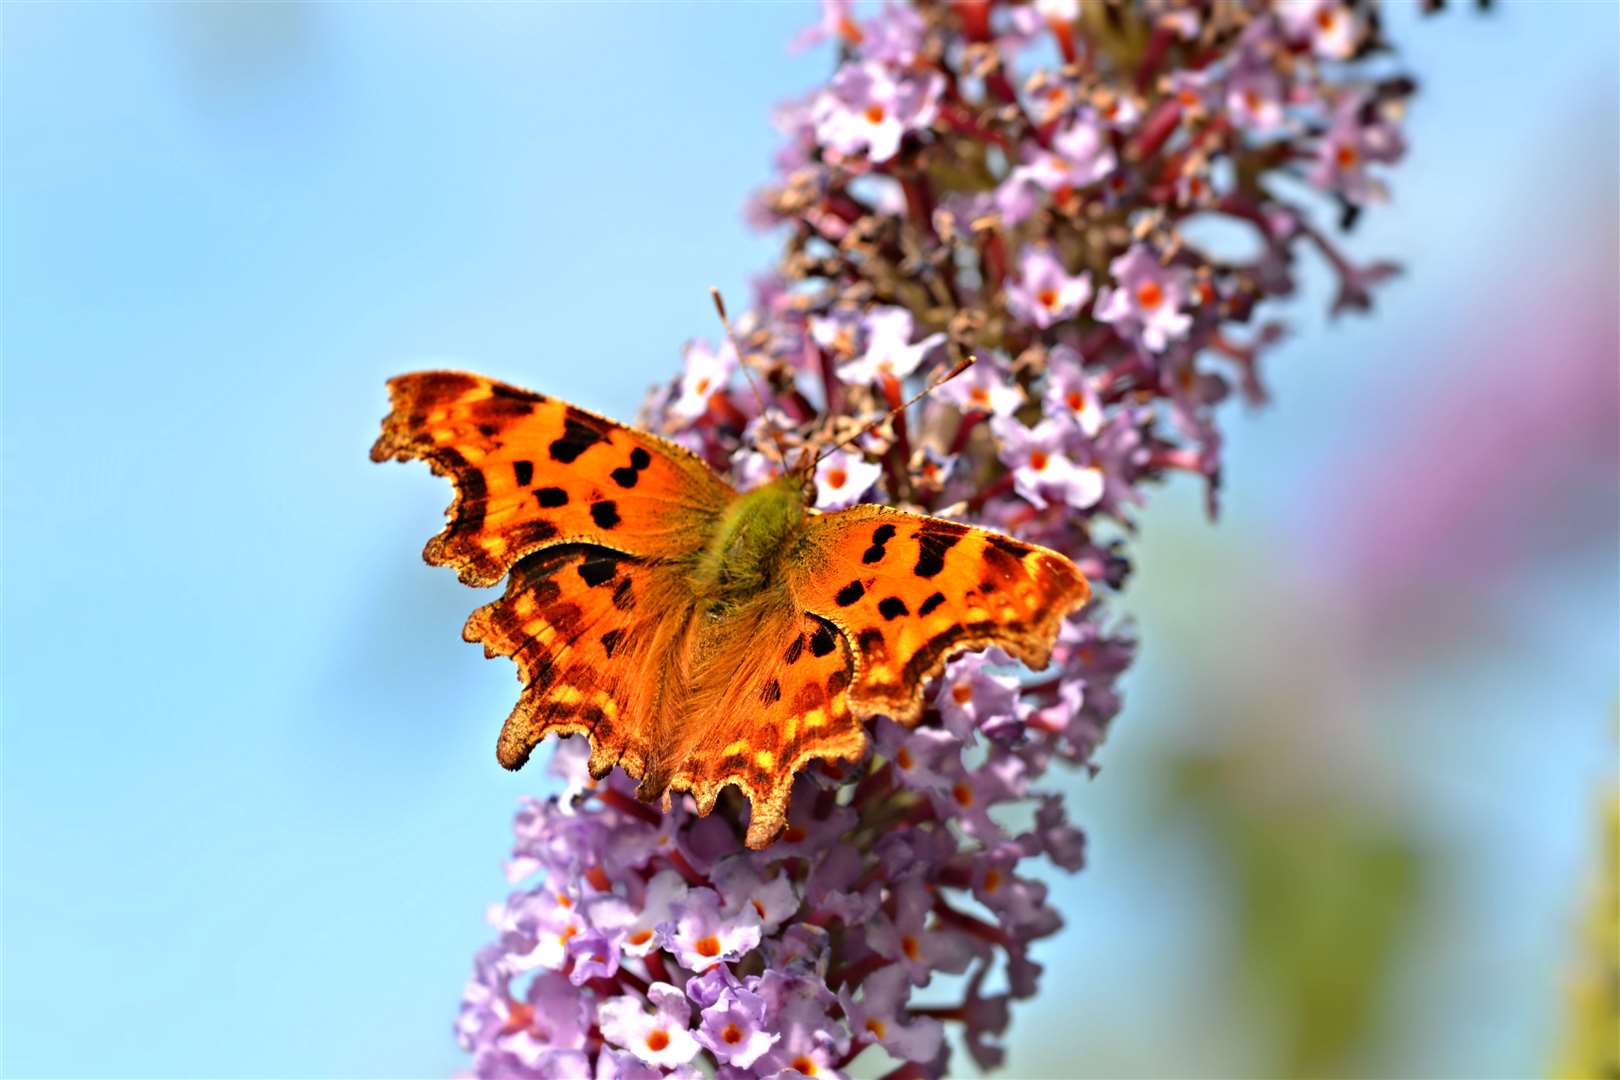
(532, 472)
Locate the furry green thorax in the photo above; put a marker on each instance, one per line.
(743, 556)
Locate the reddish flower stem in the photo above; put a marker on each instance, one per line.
(687, 871)
(1160, 124)
(965, 922)
(909, 1071)
(627, 805)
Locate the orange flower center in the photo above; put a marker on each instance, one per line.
(1345, 155)
(759, 908)
(519, 1016)
(837, 478)
(1187, 98)
(992, 880)
(877, 1027)
(910, 947)
(804, 1065)
(1149, 294)
(702, 386)
(875, 114)
(709, 946)
(1048, 298)
(1326, 17)
(962, 693)
(1075, 400)
(598, 879)
(732, 1034)
(568, 934)
(657, 1039)
(962, 793)
(640, 937)
(1251, 98)
(1038, 460)
(903, 758)
(979, 395)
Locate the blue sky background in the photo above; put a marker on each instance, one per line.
(251, 812)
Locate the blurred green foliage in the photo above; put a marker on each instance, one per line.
(1323, 894)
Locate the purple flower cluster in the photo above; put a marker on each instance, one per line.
(1019, 182)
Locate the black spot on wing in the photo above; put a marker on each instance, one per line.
(625, 476)
(605, 513)
(794, 650)
(822, 641)
(880, 536)
(551, 497)
(892, 607)
(512, 393)
(577, 437)
(931, 603)
(624, 597)
(598, 569)
(770, 693)
(837, 683)
(531, 533)
(850, 593)
(931, 549)
(610, 641)
(523, 472)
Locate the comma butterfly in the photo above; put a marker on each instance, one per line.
(697, 635)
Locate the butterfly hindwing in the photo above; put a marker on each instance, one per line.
(909, 591)
(772, 697)
(582, 624)
(533, 472)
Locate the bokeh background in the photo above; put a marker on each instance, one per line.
(1347, 823)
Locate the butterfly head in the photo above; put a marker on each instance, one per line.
(803, 474)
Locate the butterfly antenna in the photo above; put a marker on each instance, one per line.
(742, 362)
(933, 384)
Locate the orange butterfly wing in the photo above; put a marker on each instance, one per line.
(770, 696)
(532, 472)
(909, 591)
(582, 624)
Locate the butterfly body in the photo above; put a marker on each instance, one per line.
(699, 636)
(751, 541)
